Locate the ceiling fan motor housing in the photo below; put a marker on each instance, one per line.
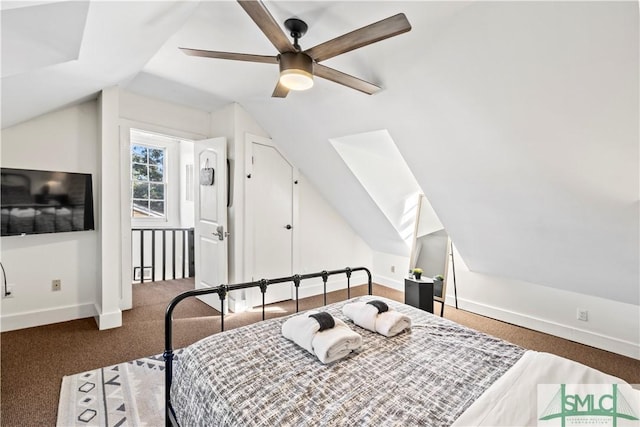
(296, 70)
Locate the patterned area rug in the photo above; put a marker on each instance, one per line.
(126, 394)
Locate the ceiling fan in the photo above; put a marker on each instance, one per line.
(297, 67)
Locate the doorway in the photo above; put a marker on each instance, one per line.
(271, 218)
(158, 192)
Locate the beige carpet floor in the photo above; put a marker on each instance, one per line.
(34, 360)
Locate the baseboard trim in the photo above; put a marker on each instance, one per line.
(305, 290)
(12, 322)
(309, 290)
(593, 339)
(108, 320)
(398, 285)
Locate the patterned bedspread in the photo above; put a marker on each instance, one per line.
(253, 376)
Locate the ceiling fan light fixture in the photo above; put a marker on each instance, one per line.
(296, 79)
(296, 71)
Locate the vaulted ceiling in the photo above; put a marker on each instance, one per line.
(518, 119)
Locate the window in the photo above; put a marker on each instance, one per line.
(148, 181)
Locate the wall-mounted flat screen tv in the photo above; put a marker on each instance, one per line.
(35, 201)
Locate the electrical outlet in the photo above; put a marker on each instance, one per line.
(56, 285)
(393, 268)
(583, 314)
(9, 292)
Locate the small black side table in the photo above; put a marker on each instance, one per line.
(419, 293)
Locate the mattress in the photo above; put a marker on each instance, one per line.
(253, 376)
(527, 392)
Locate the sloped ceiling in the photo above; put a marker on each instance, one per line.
(117, 41)
(36, 40)
(518, 119)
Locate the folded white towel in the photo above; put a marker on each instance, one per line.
(362, 314)
(328, 345)
(388, 323)
(301, 330)
(391, 323)
(335, 343)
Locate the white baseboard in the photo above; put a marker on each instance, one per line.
(12, 322)
(571, 333)
(109, 320)
(398, 285)
(316, 289)
(308, 290)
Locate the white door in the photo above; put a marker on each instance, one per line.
(210, 216)
(272, 183)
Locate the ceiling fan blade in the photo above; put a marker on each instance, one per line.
(263, 19)
(230, 55)
(375, 32)
(345, 79)
(281, 91)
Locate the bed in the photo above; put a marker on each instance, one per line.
(439, 373)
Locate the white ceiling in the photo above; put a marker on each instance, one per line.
(35, 40)
(518, 119)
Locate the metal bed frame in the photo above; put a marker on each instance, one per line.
(222, 291)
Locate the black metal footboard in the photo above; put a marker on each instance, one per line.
(222, 291)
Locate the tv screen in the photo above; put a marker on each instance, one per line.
(34, 202)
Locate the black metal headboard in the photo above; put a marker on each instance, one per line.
(222, 291)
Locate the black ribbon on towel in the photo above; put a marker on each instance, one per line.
(324, 319)
(381, 306)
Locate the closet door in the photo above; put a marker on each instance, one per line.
(271, 193)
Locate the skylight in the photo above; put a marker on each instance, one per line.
(376, 162)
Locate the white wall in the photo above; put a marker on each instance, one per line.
(384, 263)
(161, 115)
(611, 325)
(534, 125)
(326, 242)
(65, 140)
(109, 263)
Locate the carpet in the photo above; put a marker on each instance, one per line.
(126, 394)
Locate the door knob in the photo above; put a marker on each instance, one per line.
(288, 227)
(220, 232)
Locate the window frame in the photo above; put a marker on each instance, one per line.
(155, 138)
(165, 181)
